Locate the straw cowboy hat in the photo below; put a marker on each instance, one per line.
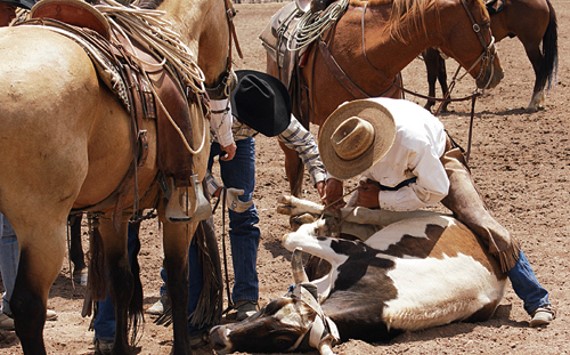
(356, 136)
(262, 102)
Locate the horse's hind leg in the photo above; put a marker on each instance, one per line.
(294, 169)
(42, 249)
(176, 239)
(119, 276)
(431, 63)
(442, 79)
(537, 59)
(76, 249)
(436, 71)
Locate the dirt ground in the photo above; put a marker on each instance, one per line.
(520, 162)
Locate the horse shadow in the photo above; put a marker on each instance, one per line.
(8, 339)
(64, 287)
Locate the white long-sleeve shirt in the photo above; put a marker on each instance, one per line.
(221, 122)
(419, 144)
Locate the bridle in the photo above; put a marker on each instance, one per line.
(487, 58)
(227, 80)
(489, 53)
(322, 328)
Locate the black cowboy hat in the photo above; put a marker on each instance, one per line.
(261, 102)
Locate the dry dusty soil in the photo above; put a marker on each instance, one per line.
(520, 161)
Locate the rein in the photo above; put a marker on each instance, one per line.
(222, 89)
(222, 198)
(489, 50)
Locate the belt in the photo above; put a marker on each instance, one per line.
(393, 188)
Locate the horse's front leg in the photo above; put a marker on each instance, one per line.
(119, 278)
(176, 241)
(294, 169)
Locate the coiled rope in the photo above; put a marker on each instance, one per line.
(312, 25)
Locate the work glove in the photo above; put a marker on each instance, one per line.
(234, 203)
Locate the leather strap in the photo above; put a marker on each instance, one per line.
(338, 73)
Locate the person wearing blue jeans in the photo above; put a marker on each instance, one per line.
(261, 104)
(9, 256)
(406, 161)
(528, 288)
(244, 233)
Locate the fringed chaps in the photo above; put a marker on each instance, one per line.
(467, 205)
(209, 308)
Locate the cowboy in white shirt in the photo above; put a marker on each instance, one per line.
(407, 162)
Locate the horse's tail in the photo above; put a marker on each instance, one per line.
(550, 47)
(97, 285)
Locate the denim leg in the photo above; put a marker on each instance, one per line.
(244, 233)
(526, 285)
(104, 322)
(9, 257)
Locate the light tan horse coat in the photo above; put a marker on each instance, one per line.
(65, 143)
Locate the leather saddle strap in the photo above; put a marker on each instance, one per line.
(339, 74)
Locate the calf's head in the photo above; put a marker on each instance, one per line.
(294, 322)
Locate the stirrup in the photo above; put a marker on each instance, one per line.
(174, 211)
(200, 208)
(203, 209)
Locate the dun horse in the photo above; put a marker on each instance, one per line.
(365, 50)
(66, 143)
(533, 22)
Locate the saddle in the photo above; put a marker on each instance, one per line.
(276, 37)
(73, 12)
(147, 87)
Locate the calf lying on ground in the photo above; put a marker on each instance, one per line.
(420, 270)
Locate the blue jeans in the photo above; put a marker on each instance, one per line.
(104, 323)
(9, 256)
(244, 233)
(526, 285)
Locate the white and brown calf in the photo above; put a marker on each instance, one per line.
(419, 270)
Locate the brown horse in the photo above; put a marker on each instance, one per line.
(533, 22)
(373, 41)
(66, 144)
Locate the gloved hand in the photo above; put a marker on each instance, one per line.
(234, 203)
